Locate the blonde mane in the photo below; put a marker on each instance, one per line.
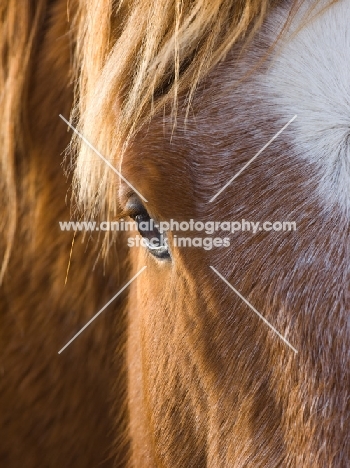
(141, 57)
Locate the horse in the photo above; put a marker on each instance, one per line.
(228, 347)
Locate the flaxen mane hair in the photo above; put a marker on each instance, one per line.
(139, 58)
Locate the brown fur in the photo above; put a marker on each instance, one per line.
(217, 388)
(206, 384)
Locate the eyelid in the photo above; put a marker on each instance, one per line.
(134, 206)
(125, 193)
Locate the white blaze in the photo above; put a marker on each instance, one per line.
(310, 76)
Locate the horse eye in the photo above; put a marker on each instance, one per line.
(156, 242)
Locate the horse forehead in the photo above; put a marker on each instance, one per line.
(309, 75)
(239, 108)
